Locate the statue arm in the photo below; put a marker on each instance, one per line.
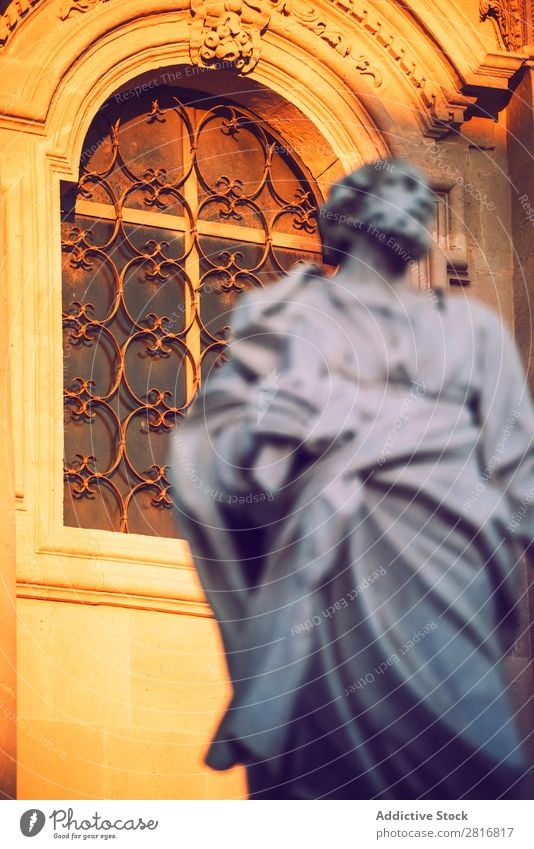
(279, 373)
(507, 421)
(291, 406)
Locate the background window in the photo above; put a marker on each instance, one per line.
(181, 204)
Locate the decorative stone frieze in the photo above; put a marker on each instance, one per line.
(231, 34)
(512, 19)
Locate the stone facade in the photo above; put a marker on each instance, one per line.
(445, 84)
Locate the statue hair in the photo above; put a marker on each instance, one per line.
(350, 197)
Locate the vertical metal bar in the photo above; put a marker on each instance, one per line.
(191, 268)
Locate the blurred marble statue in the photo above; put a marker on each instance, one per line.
(356, 484)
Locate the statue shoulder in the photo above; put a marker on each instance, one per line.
(469, 311)
(263, 320)
(477, 314)
(261, 304)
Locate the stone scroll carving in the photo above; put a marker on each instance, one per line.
(72, 6)
(510, 18)
(312, 19)
(228, 34)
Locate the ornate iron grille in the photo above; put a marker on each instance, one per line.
(180, 206)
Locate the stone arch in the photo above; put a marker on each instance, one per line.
(358, 62)
(415, 43)
(341, 121)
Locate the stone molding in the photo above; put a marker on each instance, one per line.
(16, 12)
(142, 600)
(512, 19)
(228, 33)
(313, 19)
(231, 33)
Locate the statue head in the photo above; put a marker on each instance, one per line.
(389, 202)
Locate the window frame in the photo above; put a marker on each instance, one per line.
(196, 111)
(57, 562)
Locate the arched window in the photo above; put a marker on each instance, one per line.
(181, 204)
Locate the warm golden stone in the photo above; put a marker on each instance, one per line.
(121, 677)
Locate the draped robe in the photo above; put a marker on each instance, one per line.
(356, 484)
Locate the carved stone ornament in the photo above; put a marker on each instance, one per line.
(14, 14)
(509, 17)
(308, 16)
(78, 6)
(227, 34)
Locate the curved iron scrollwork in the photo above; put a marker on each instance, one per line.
(179, 207)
